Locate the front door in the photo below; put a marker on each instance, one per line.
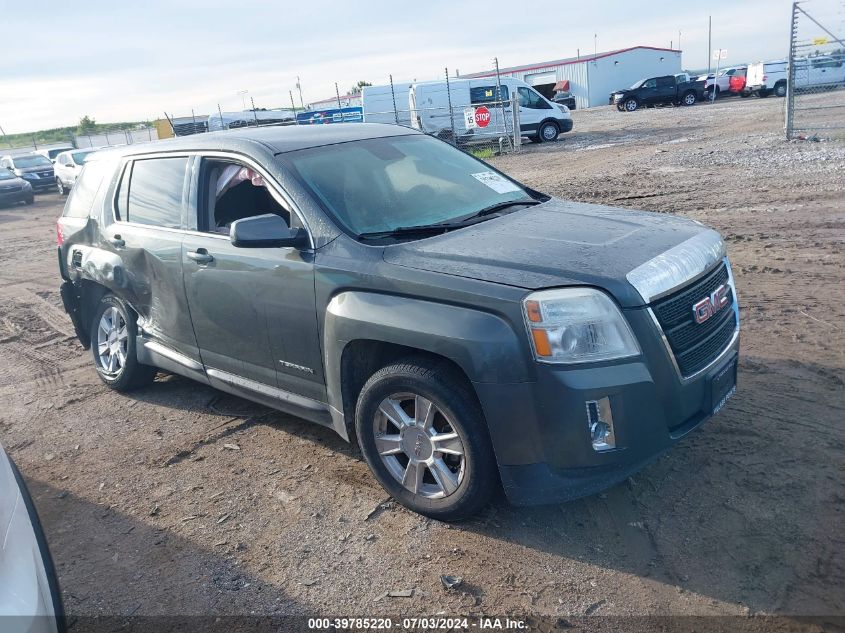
(533, 109)
(253, 309)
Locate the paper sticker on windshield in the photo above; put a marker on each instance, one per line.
(495, 182)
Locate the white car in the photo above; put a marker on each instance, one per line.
(819, 72)
(67, 167)
(722, 80)
(30, 601)
(52, 152)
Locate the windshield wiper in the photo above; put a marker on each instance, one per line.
(442, 227)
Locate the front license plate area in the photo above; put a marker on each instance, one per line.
(722, 387)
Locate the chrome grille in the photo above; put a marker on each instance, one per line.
(696, 345)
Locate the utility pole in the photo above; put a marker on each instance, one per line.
(709, 41)
(299, 88)
(679, 39)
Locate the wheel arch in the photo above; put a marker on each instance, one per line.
(365, 331)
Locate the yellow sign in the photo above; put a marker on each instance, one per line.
(820, 41)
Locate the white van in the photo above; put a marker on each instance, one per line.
(379, 106)
(822, 71)
(539, 118)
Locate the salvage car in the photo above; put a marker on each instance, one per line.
(67, 166)
(667, 90)
(467, 331)
(36, 169)
(14, 189)
(30, 600)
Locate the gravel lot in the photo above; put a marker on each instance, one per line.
(183, 500)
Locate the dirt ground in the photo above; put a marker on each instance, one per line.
(182, 500)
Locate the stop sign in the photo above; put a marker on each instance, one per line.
(482, 116)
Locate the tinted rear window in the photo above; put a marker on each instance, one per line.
(155, 192)
(85, 188)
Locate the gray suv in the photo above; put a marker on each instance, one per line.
(468, 332)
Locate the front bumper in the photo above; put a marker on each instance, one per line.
(540, 430)
(21, 195)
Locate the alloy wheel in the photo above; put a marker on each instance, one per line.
(112, 341)
(631, 105)
(419, 445)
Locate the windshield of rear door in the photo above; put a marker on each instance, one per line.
(381, 184)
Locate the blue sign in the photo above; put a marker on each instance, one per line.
(333, 115)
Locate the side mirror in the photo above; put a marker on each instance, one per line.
(266, 231)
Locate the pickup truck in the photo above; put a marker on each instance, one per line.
(468, 332)
(667, 90)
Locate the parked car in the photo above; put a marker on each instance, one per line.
(67, 167)
(819, 72)
(562, 94)
(737, 84)
(30, 600)
(14, 189)
(52, 152)
(464, 329)
(670, 89)
(722, 81)
(386, 104)
(539, 119)
(36, 169)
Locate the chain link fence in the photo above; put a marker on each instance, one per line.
(815, 72)
(479, 116)
(100, 137)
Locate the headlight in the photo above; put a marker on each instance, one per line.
(563, 108)
(577, 325)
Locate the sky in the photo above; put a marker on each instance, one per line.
(121, 61)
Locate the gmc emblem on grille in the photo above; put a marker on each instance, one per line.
(709, 306)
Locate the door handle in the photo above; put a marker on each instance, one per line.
(200, 256)
(118, 241)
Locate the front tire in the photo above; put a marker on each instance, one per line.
(631, 104)
(548, 132)
(780, 89)
(423, 435)
(113, 332)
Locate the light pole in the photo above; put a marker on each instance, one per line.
(243, 94)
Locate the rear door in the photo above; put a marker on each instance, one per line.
(666, 89)
(146, 236)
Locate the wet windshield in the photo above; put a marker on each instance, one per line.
(22, 162)
(382, 184)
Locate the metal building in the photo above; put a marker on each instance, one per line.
(592, 78)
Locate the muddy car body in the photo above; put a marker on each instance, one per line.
(550, 346)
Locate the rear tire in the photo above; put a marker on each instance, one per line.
(780, 89)
(406, 413)
(29, 201)
(689, 99)
(763, 93)
(113, 331)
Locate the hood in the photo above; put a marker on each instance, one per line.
(15, 182)
(557, 243)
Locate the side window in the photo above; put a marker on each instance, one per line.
(530, 99)
(665, 82)
(86, 187)
(154, 195)
(232, 191)
(651, 83)
(487, 94)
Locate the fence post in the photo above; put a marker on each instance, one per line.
(501, 102)
(451, 114)
(517, 132)
(254, 115)
(337, 92)
(789, 104)
(393, 94)
(220, 112)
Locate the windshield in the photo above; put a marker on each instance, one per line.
(22, 162)
(637, 85)
(381, 184)
(79, 157)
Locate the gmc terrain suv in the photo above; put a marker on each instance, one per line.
(467, 331)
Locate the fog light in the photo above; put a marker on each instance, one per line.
(600, 424)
